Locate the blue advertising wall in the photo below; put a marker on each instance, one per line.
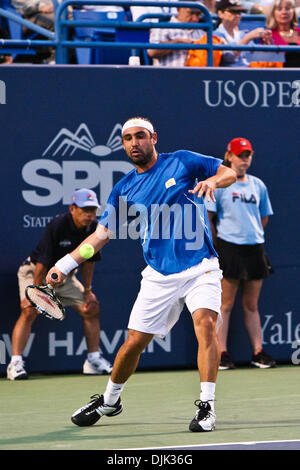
(60, 130)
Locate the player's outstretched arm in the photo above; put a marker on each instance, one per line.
(91, 245)
(224, 177)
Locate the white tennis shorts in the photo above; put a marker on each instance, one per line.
(161, 298)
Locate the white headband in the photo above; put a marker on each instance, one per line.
(138, 123)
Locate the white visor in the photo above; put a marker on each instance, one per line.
(137, 123)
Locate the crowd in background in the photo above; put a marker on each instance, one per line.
(279, 27)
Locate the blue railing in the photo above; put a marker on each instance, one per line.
(59, 38)
(61, 24)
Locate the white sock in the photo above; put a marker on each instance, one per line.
(16, 358)
(112, 392)
(208, 390)
(93, 355)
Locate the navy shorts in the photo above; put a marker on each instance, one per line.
(244, 262)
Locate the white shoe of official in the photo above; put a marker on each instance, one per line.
(99, 366)
(16, 371)
(205, 418)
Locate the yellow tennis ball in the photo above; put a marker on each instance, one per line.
(86, 251)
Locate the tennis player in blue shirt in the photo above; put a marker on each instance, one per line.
(182, 265)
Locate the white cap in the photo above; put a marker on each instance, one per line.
(137, 122)
(85, 198)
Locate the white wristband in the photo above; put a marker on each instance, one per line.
(66, 264)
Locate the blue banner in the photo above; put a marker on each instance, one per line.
(61, 130)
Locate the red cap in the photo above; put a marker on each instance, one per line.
(239, 145)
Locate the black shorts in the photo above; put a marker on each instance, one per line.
(245, 262)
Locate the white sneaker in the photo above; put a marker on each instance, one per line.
(205, 418)
(16, 371)
(99, 366)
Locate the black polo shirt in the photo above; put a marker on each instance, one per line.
(61, 236)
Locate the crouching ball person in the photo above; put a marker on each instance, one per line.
(182, 266)
(60, 237)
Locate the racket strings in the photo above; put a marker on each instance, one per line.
(44, 301)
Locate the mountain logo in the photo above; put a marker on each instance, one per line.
(66, 142)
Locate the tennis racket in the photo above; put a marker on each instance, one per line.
(44, 300)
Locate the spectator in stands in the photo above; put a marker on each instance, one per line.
(238, 218)
(138, 11)
(172, 57)
(39, 12)
(283, 23)
(229, 13)
(61, 235)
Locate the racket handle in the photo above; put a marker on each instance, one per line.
(54, 276)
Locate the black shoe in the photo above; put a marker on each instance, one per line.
(92, 412)
(226, 362)
(263, 360)
(205, 418)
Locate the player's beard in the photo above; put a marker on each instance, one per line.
(141, 158)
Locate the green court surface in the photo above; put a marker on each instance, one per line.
(252, 405)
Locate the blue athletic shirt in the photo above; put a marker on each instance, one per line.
(239, 210)
(172, 224)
